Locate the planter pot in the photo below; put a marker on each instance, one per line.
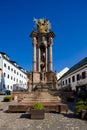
(37, 114)
(7, 100)
(84, 114)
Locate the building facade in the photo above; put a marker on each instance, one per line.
(75, 78)
(11, 73)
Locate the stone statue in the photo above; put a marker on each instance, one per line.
(42, 76)
(42, 25)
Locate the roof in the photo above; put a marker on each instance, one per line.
(62, 72)
(76, 66)
(3, 54)
(13, 62)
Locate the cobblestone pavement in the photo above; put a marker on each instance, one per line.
(52, 121)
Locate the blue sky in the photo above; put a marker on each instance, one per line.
(68, 20)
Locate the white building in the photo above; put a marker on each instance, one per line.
(11, 73)
(61, 73)
(75, 78)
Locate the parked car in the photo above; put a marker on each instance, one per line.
(7, 92)
(2, 93)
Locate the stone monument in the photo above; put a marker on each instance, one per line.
(42, 79)
(42, 74)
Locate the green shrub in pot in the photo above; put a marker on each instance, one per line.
(38, 106)
(7, 98)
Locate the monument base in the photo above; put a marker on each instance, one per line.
(40, 93)
(40, 79)
(50, 102)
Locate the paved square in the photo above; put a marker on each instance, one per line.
(52, 121)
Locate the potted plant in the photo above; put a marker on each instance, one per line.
(37, 111)
(7, 98)
(81, 109)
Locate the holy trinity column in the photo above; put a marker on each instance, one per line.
(42, 41)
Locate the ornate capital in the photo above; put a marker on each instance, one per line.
(34, 41)
(50, 41)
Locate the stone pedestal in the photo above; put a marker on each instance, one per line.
(36, 77)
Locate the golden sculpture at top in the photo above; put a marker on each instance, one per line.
(42, 25)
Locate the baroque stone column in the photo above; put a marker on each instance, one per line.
(34, 54)
(38, 58)
(50, 59)
(46, 55)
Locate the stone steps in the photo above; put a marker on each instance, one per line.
(49, 101)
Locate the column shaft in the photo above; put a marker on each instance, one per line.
(34, 53)
(38, 59)
(50, 59)
(46, 55)
(34, 58)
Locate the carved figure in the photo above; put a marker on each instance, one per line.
(42, 25)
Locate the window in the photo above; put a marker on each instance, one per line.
(8, 86)
(66, 81)
(11, 69)
(11, 87)
(4, 65)
(11, 77)
(78, 77)
(63, 83)
(15, 71)
(8, 76)
(73, 78)
(8, 67)
(83, 75)
(69, 80)
(14, 79)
